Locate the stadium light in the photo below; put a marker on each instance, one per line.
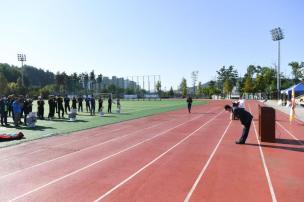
(22, 58)
(277, 35)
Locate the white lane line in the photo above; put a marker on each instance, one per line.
(101, 160)
(198, 179)
(76, 152)
(66, 143)
(154, 160)
(289, 133)
(271, 189)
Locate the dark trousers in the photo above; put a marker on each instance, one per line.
(67, 107)
(92, 111)
(110, 108)
(245, 133)
(189, 108)
(41, 112)
(88, 108)
(80, 107)
(60, 109)
(4, 118)
(99, 107)
(25, 115)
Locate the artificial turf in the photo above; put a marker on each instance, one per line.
(130, 110)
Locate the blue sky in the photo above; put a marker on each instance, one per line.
(171, 38)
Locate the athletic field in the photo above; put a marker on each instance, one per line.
(170, 156)
(130, 110)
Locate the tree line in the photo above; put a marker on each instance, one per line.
(32, 81)
(257, 80)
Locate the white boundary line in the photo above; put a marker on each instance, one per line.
(206, 166)
(99, 161)
(289, 133)
(67, 143)
(154, 160)
(76, 152)
(271, 189)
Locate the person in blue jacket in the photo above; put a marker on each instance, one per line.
(17, 111)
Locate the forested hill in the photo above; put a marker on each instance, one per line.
(32, 75)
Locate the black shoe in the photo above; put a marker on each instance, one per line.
(238, 142)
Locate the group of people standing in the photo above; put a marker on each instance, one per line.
(19, 107)
(15, 106)
(61, 105)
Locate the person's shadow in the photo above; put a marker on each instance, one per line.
(285, 142)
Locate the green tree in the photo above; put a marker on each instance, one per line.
(224, 74)
(248, 85)
(296, 71)
(158, 87)
(199, 91)
(183, 87)
(171, 92)
(12, 88)
(228, 87)
(3, 84)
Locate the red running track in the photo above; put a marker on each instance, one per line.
(172, 156)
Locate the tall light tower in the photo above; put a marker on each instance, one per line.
(277, 35)
(22, 58)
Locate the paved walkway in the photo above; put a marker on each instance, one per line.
(285, 109)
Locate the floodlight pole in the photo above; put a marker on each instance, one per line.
(278, 72)
(277, 35)
(22, 58)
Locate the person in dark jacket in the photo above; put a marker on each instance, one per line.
(92, 103)
(110, 104)
(40, 104)
(55, 104)
(87, 101)
(51, 107)
(9, 100)
(27, 108)
(80, 100)
(60, 107)
(74, 103)
(4, 105)
(189, 101)
(100, 103)
(67, 104)
(245, 118)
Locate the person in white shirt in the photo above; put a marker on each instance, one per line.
(241, 103)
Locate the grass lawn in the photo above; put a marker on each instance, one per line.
(130, 110)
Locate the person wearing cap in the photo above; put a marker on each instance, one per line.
(245, 118)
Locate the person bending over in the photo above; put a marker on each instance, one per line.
(245, 118)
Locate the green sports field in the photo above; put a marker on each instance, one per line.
(130, 110)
